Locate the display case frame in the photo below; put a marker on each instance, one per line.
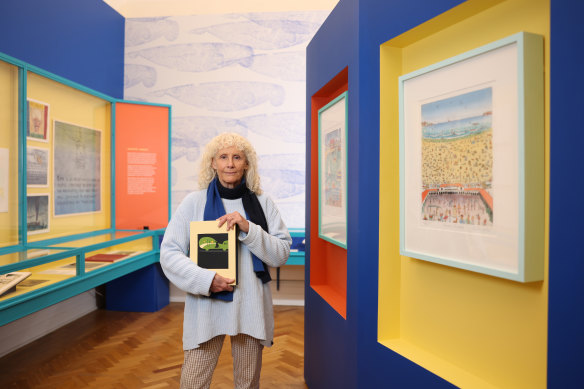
(56, 247)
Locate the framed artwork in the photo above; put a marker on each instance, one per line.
(38, 120)
(37, 213)
(471, 160)
(37, 167)
(76, 169)
(332, 171)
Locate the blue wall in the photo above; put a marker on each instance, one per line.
(345, 353)
(330, 345)
(338, 352)
(81, 40)
(380, 20)
(566, 269)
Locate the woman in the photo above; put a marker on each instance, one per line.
(231, 194)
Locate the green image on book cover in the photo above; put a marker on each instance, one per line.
(213, 251)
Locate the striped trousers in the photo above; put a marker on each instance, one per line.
(200, 363)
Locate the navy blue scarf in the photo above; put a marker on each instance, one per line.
(214, 209)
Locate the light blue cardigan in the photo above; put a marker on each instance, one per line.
(251, 310)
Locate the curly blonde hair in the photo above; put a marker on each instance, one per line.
(221, 141)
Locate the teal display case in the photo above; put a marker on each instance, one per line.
(61, 180)
(297, 251)
(60, 269)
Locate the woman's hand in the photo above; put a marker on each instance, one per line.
(232, 219)
(221, 284)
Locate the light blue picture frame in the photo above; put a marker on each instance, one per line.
(516, 255)
(333, 126)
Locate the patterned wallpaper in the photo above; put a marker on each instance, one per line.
(241, 73)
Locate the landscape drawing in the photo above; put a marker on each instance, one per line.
(457, 159)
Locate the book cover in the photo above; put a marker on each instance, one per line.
(9, 281)
(214, 248)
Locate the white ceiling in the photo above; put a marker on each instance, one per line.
(155, 8)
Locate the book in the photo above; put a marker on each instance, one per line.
(214, 248)
(9, 281)
(126, 253)
(105, 257)
(29, 283)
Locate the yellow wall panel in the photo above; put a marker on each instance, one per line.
(76, 107)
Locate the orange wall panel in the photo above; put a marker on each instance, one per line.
(328, 262)
(142, 142)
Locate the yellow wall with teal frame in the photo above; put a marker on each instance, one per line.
(471, 329)
(73, 106)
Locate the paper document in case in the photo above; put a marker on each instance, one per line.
(9, 281)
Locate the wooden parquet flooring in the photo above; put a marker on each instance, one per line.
(127, 350)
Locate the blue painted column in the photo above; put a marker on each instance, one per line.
(566, 252)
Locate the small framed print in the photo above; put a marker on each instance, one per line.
(37, 213)
(37, 167)
(38, 121)
(332, 171)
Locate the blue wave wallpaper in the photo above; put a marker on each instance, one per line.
(241, 73)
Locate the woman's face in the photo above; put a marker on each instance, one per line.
(230, 164)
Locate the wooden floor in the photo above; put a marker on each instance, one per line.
(122, 350)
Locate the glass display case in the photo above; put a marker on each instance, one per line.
(60, 231)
